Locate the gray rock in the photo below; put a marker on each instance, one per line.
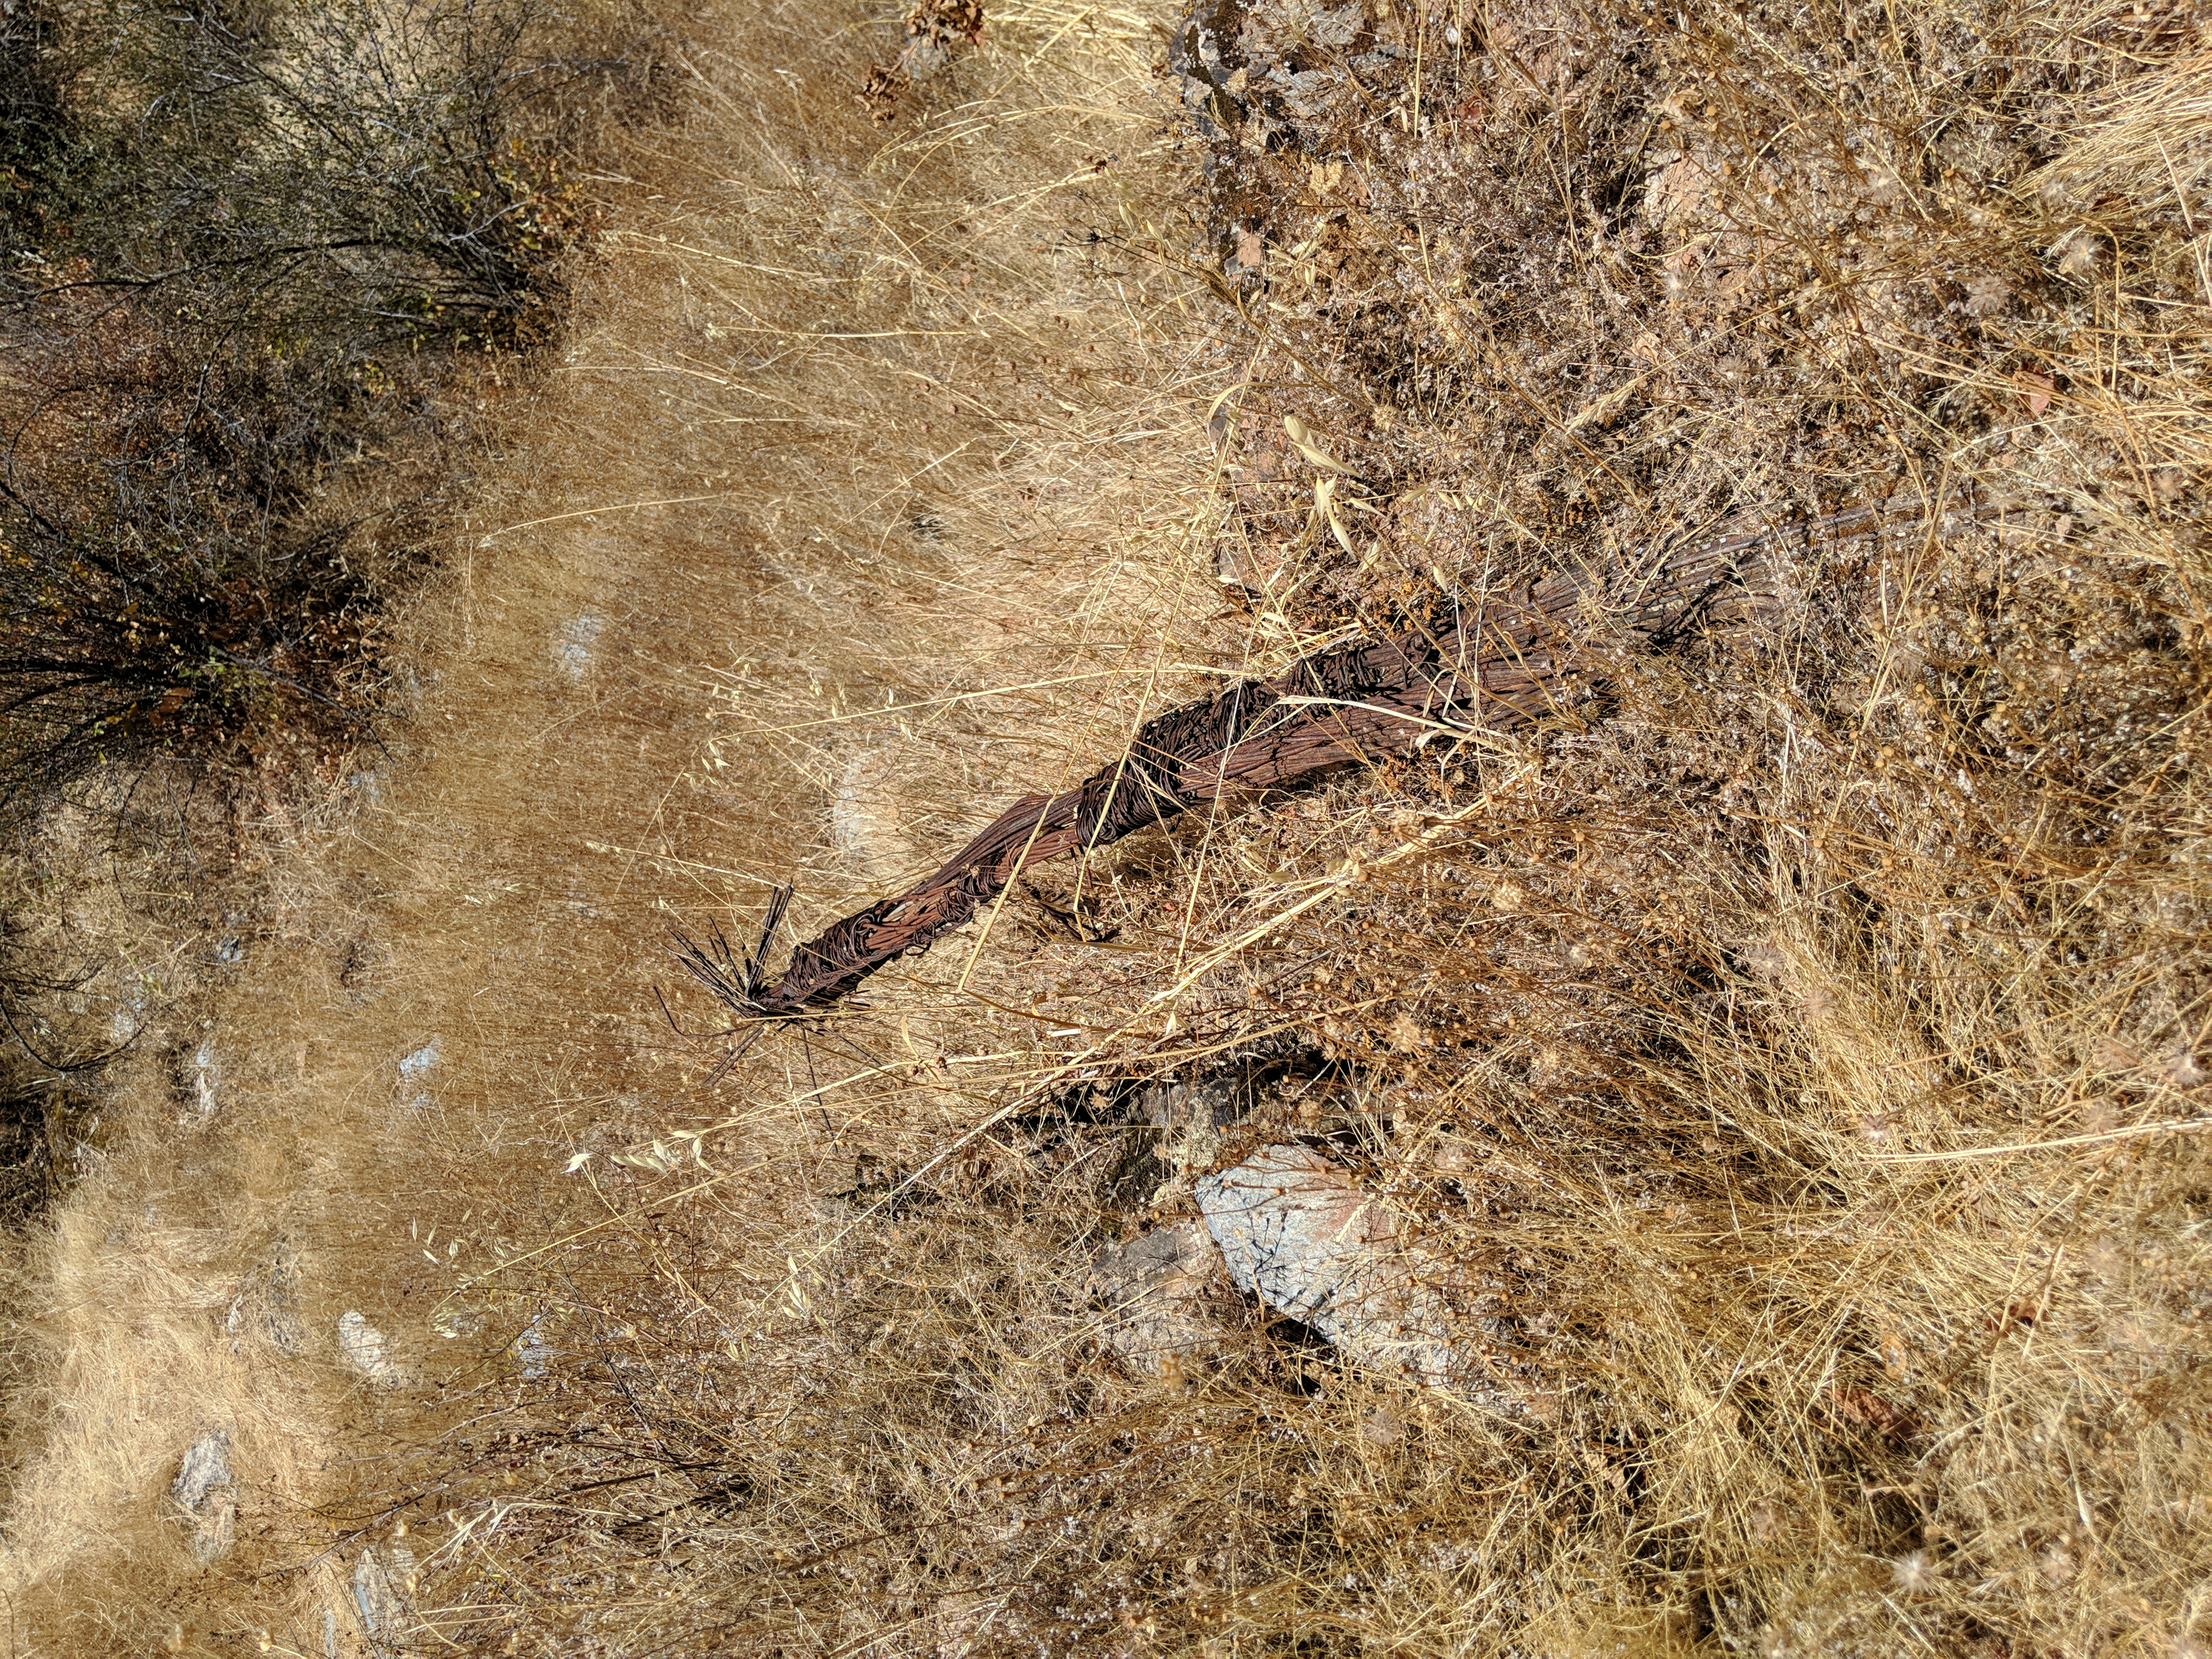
(1300, 1234)
(206, 1078)
(416, 1067)
(1192, 1115)
(531, 1349)
(1211, 1103)
(206, 1466)
(383, 1595)
(1276, 29)
(573, 646)
(1152, 1291)
(363, 1348)
(206, 1493)
(1308, 95)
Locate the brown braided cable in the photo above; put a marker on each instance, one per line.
(1500, 667)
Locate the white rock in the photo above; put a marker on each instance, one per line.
(363, 1347)
(1299, 1233)
(383, 1594)
(206, 1074)
(415, 1068)
(206, 1492)
(571, 646)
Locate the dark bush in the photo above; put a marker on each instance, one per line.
(246, 248)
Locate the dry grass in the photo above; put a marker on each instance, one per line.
(1789, 1058)
(841, 419)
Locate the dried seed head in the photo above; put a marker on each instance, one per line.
(1914, 1574)
(2110, 1054)
(2077, 256)
(1987, 295)
(2183, 1068)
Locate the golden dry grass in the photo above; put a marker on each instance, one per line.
(1792, 1061)
(846, 419)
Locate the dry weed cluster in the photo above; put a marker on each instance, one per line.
(253, 270)
(1783, 1063)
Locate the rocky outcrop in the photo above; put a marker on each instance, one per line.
(1302, 1235)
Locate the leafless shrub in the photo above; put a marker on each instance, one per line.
(246, 257)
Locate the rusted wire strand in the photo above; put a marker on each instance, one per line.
(1504, 662)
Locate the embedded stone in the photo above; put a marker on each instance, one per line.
(1301, 1235)
(206, 1493)
(1153, 1291)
